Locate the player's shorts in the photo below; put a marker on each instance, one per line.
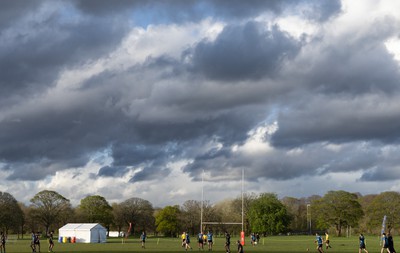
(362, 246)
(200, 240)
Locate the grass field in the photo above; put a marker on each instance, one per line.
(274, 244)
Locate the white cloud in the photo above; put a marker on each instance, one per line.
(298, 27)
(393, 46)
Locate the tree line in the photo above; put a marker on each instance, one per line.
(264, 213)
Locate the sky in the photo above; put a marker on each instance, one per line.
(163, 99)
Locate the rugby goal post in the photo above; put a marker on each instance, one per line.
(218, 223)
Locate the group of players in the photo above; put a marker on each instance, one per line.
(35, 242)
(203, 238)
(320, 242)
(387, 243)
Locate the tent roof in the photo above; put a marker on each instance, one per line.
(82, 226)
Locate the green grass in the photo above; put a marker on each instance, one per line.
(274, 244)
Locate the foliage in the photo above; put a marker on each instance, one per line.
(11, 215)
(338, 209)
(190, 215)
(49, 207)
(167, 220)
(139, 212)
(227, 210)
(96, 209)
(119, 219)
(268, 215)
(248, 199)
(386, 203)
(297, 209)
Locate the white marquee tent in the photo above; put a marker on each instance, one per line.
(84, 232)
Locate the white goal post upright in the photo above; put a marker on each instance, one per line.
(202, 200)
(242, 199)
(216, 223)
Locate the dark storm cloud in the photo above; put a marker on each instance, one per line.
(136, 127)
(199, 107)
(112, 171)
(312, 160)
(32, 170)
(134, 155)
(101, 7)
(153, 172)
(13, 10)
(212, 160)
(381, 175)
(145, 12)
(244, 52)
(349, 92)
(363, 66)
(340, 120)
(60, 139)
(386, 167)
(31, 61)
(175, 143)
(183, 11)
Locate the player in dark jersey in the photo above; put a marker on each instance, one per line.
(210, 240)
(319, 241)
(240, 247)
(227, 242)
(143, 239)
(390, 243)
(188, 242)
(385, 243)
(362, 244)
(200, 240)
(51, 242)
(33, 239)
(3, 239)
(37, 241)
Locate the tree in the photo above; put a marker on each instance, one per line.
(386, 203)
(338, 209)
(190, 215)
(139, 212)
(268, 215)
(11, 215)
(118, 217)
(167, 220)
(96, 209)
(297, 208)
(227, 211)
(365, 222)
(49, 207)
(248, 199)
